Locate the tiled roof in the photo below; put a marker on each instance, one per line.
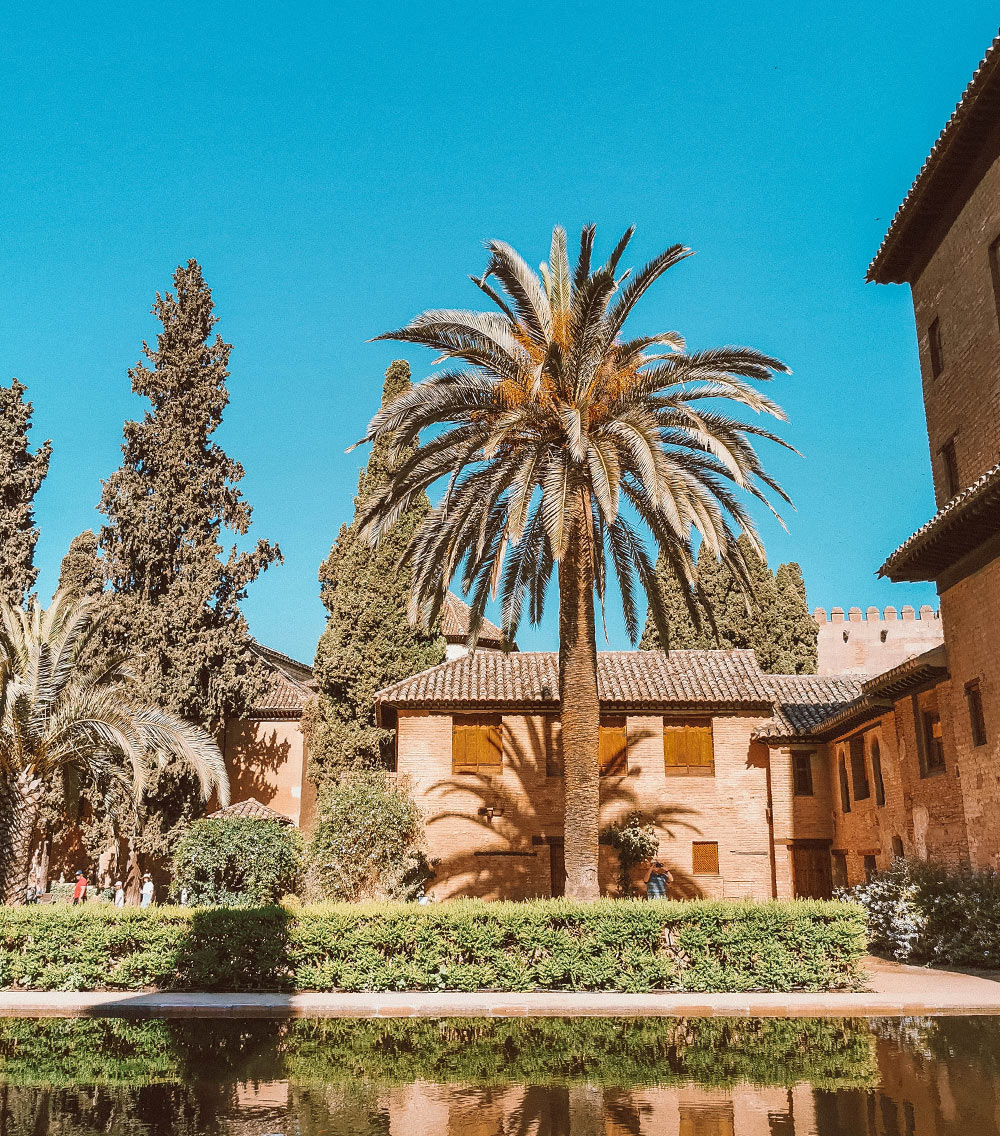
(914, 671)
(625, 679)
(455, 614)
(289, 686)
(803, 702)
(968, 137)
(251, 807)
(959, 526)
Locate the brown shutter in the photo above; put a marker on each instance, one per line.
(703, 752)
(673, 745)
(491, 756)
(687, 745)
(613, 753)
(477, 743)
(705, 858)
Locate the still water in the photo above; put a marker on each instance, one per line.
(542, 1077)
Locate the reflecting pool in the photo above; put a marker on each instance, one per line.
(537, 1077)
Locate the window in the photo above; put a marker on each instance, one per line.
(897, 848)
(838, 867)
(995, 273)
(977, 721)
(476, 743)
(705, 858)
(687, 746)
(845, 793)
(552, 738)
(949, 470)
(871, 867)
(859, 771)
(802, 774)
(934, 347)
(877, 773)
(613, 751)
(933, 742)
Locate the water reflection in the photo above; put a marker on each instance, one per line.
(705, 1077)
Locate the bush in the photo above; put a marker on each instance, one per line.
(623, 945)
(635, 843)
(367, 843)
(928, 913)
(237, 862)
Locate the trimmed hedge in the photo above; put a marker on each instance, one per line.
(624, 945)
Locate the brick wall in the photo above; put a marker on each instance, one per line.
(871, 642)
(266, 760)
(509, 856)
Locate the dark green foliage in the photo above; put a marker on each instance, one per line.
(626, 945)
(21, 475)
(368, 642)
(635, 841)
(81, 572)
(237, 862)
(776, 624)
(929, 913)
(367, 844)
(625, 1053)
(177, 591)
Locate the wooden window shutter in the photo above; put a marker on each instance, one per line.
(700, 742)
(613, 753)
(476, 743)
(553, 746)
(492, 743)
(673, 745)
(705, 858)
(688, 745)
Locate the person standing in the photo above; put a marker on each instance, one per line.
(80, 888)
(657, 879)
(147, 891)
(119, 896)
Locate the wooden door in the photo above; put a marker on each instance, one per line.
(557, 866)
(811, 871)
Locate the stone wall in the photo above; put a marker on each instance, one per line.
(871, 642)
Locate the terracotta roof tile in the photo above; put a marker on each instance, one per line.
(802, 702)
(626, 679)
(455, 614)
(290, 685)
(251, 807)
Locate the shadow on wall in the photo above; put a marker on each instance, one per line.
(519, 814)
(255, 757)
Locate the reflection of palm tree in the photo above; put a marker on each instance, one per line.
(503, 805)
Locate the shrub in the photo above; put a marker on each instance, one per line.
(923, 913)
(635, 843)
(626, 945)
(237, 862)
(367, 843)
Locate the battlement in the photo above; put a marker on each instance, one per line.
(872, 641)
(874, 615)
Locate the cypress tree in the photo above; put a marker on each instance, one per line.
(21, 474)
(177, 593)
(368, 642)
(776, 624)
(80, 571)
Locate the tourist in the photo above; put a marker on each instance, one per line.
(657, 879)
(80, 888)
(119, 896)
(31, 895)
(147, 890)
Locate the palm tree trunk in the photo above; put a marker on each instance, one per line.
(24, 797)
(579, 707)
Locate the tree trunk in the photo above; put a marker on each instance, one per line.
(579, 707)
(24, 797)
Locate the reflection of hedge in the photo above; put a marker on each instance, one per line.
(548, 945)
(543, 1051)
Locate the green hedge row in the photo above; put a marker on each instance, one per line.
(622, 945)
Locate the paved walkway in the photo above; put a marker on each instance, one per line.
(895, 991)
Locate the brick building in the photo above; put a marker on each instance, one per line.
(945, 243)
(871, 642)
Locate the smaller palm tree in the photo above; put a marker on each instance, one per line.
(67, 709)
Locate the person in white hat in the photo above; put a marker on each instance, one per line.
(147, 890)
(119, 897)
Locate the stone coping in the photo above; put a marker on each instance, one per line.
(895, 991)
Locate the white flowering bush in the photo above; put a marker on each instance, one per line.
(930, 913)
(635, 841)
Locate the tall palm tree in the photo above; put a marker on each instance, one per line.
(66, 709)
(559, 436)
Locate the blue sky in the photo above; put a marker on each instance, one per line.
(335, 168)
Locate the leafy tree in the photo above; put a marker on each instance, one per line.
(556, 435)
(237, 861)
(368, 643)
(773, 619)
(68, 710)
(80, 572)
(177, 592)
(21, 474)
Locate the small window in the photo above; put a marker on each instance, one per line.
(949, 470)
(871, 867)
(553, 746)
(935, 348)
(995, 273)
(476, 743)
(845, 793)
(613, 752)
(705, 858)
(897, 848)
(877, 773)
(687, 746)
(977, 720)
(802, 774)
(933, 742)
(838, 867)
(859, 771)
